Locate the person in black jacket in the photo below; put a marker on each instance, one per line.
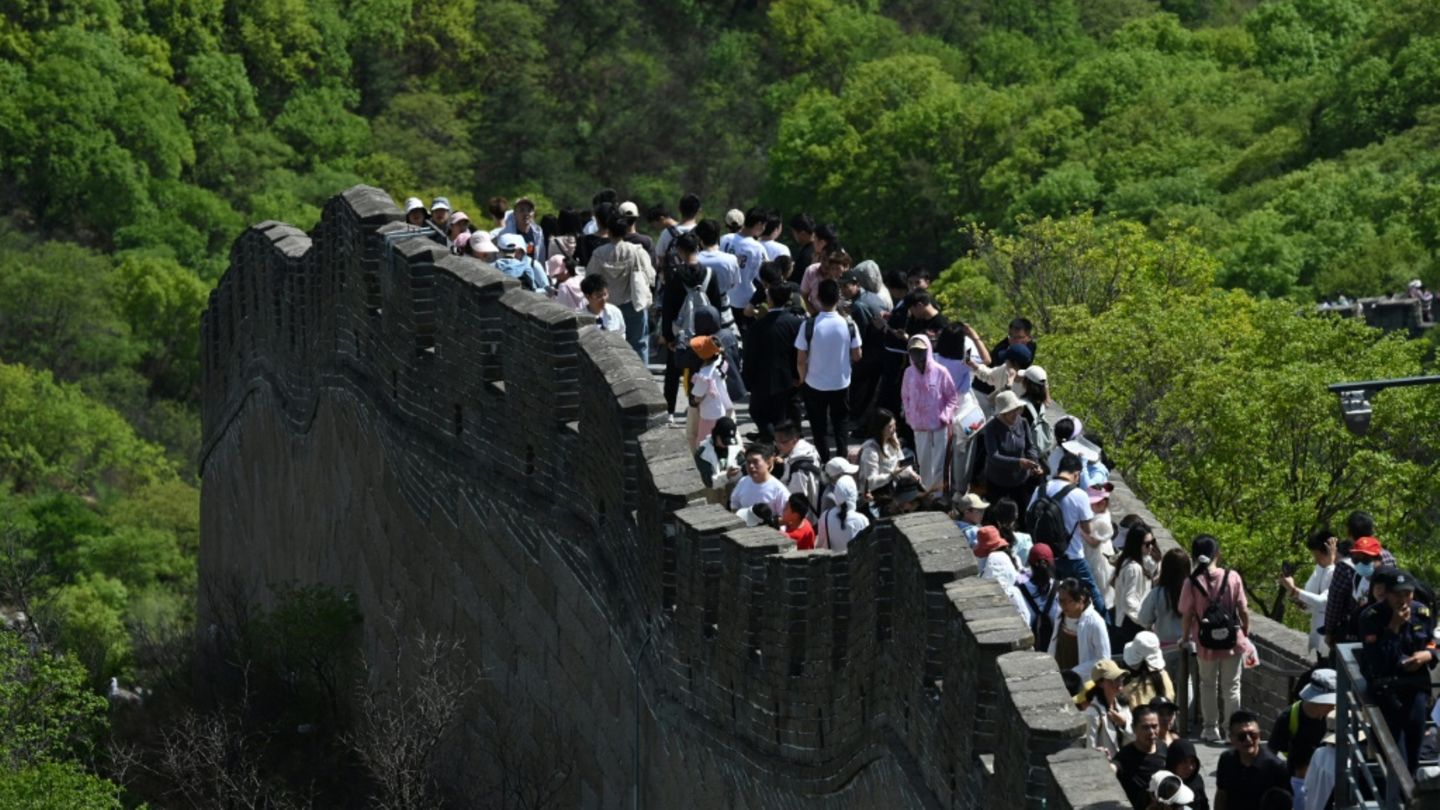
(770, 363)
(689, 275)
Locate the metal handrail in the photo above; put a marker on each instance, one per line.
(1353, 714)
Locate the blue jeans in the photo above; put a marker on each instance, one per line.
(637, 330)
(1066, 568)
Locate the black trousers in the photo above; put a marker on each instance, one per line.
(769, 410)
(864, 384)
(1405, 714)
(828, 412)
(672, 379)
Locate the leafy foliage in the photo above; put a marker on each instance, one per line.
(47, 711)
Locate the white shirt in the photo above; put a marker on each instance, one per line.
(1076, 510)
(828, 362)
(1131, 588)
(609, 320)
(775, 249)
(749, 253)
(835, 534)
(998, 566)
(1312, 598)
(726, 270)
(1320, 778)
(1092, 639)
(709, 388)
(748, 493)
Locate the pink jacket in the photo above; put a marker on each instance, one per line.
(929, 399)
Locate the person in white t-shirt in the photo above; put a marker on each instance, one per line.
(758, 485)
(770, 238)
(597, 305)
(1075, 508)
(749, 253)
(826, 348)
(708, 394)
(1316, 591)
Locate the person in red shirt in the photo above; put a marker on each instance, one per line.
(795, 524)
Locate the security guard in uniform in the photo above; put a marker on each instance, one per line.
(1399, 651)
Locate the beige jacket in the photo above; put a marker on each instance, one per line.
(626, 267)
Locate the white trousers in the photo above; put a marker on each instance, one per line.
(930, 449)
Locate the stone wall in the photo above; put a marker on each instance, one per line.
(412, 427)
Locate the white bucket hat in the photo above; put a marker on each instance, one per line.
(1145, 647)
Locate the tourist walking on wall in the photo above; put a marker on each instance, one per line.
(1248, 769)
(1080, 639)
(718, 459)
(824, 350)
(1134, 570)
(1067, 531)
(1215, 618)
(843, 522)
(627, 268)
(1142, 757)
(1146, 678)
(1350, 581)
(928, 397)
(770, 368)
(1011, 460)
(758, 485)
(1107, 718)
(1312, 597)
(1160, 611)
(708, 394)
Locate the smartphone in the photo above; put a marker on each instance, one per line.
(1287, 568)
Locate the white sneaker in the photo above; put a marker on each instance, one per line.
(1211, 735)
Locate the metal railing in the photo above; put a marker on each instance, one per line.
(1370, 771)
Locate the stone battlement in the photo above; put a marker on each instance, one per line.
(412, 426)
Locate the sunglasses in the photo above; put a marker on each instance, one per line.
(1245, 735)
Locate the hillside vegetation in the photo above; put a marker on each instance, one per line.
(1166, 186)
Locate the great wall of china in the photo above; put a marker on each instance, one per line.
(412, 427)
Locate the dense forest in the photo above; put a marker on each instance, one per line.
(1165, 186)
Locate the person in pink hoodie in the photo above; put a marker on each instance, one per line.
(929, 399)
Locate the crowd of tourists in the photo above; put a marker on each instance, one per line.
(910, 409)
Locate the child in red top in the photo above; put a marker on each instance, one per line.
(794, 523)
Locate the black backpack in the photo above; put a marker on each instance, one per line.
(1217, 624)
(671, 261)
(1047, 520)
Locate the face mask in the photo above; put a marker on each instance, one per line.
(1150, 566)
(1072, 624)
(1365, 569)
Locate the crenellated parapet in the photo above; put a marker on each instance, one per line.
(388, 418)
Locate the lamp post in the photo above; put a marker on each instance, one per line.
(1355, 398)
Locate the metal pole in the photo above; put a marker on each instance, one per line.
(1342, 793)
(1380, 385)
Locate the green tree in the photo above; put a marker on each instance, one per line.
(53, 435)
(57, 786)
(48, 713)
(88, 616)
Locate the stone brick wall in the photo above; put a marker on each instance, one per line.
(411, 426)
